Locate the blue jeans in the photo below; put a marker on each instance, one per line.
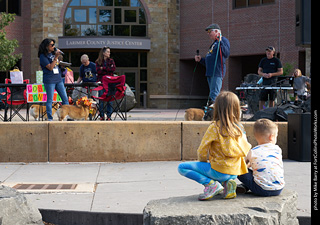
(101, 106)
(202, 172)
(215, 84)
(59, 87)
(248, 181)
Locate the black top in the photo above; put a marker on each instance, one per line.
(270, 66)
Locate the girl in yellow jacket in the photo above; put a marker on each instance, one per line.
(226, 144)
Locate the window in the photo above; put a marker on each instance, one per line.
(250, 3)
(105, 18)
(11, 6)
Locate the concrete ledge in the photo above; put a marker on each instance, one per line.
(244, 209)
(114, 141)
(24, 142)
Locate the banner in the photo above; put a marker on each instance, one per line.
(36, 93)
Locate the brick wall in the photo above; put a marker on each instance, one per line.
(20, 30)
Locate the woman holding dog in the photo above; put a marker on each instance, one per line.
(105, 66)
(52, 80)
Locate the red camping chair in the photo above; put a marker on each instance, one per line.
(15, 96)
(114, 94)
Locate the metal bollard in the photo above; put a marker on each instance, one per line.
(144, 99)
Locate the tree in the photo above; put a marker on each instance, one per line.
(7, 47)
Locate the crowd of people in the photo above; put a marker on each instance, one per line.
(89, 72)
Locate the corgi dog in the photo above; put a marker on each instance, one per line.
(36, 110)
(79, 111)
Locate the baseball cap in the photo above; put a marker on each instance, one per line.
(213, 26)
(270, 48)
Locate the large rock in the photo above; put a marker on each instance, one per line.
(244, 209)
(16, 209)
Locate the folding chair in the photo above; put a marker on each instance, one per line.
(15, 96)
(114, 94)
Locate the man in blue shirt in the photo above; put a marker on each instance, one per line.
(88, 72)
(215, 60)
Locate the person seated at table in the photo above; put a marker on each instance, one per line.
(52, 80)
(88, 72)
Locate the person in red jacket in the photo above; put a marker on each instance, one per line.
(105, 66)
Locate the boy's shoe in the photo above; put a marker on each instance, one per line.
(229, 191)
(211, 189)
(241, 189)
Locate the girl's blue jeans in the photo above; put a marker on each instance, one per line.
(59, 87)
(202, 172)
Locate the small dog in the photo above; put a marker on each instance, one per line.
(193, 114)
(77, 112)
(36, 110)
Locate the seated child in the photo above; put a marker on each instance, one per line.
(226, 144)
(266, 177)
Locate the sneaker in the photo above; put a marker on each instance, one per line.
(211, 189)
(241, 189)
(229, 190)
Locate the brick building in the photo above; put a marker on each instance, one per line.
(154, 42)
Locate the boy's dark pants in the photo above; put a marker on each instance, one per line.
(248, 181)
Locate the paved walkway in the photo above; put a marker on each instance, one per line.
(126, 187)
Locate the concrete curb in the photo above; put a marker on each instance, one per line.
(66, 217)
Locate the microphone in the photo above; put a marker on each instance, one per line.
(197, 52)
(55, 49)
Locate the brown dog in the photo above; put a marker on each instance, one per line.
(193, 114)
(36, 110)
(76, 112)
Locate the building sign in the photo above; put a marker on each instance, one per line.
(100, 42)
(36, 93)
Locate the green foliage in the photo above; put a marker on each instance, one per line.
(288, 69)
(7, 47)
